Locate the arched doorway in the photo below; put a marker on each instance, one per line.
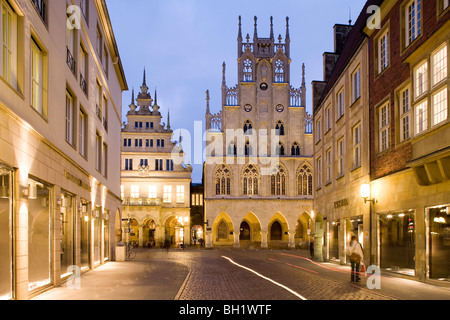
(174, 231)
(222, 230)
(244, 231)
(134, 232)
(149, 229)
(302, 231)
(276, 231)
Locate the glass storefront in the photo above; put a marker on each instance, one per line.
(39, 234)
(397, 241)
(354, 227)
(334, 240)
(6, 271)
(67, 234)
(106, 235)
(439, 243)
(96, 224)
(84, 234)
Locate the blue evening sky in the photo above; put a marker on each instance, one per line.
(183, 43)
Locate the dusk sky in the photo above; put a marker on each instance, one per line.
(183, 43)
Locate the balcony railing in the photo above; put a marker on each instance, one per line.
(98, 111)
(144, 202)
(83, 84)
(71, 61)
(41, 8)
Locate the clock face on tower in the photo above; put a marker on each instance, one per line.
(280, 108)
(263, 86)
(248, 108)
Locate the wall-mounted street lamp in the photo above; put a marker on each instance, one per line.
(365, 193)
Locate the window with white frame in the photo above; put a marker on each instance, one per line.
(356, 85)
(82, 134)
(439, 65)
(69, 118)
(357, 146)
(328, 163)
(105, 160)
(99, 44)
(328, 118)
(37, 78)
(318, 129)
(405, 114)
(341, 151)
(421, 116)
(152, 191)
(180, 194)
(128, 164)
(83, 69)
(413, 21)
(384, 127)
(167, 194)
(340, 104)
(421, 79)
(98, 152)
(383, 51)
(319, 173)
(9, 44)
(135, 192)
(439, 106)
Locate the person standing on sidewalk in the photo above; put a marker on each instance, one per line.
(355, 251)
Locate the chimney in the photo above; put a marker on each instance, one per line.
(317, 90)
(341, 32)
(329, 61)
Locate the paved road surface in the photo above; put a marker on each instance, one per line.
(235, 275)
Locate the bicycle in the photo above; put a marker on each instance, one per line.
(130, 253)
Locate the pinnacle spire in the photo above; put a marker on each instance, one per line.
(240, 28)
(207, 103)
(287, 27)
(156, 96)
(144, 82)
(256, 28)
(132, 96)
(303, 76)
(224, 66)
(168, 120)
(271, 27)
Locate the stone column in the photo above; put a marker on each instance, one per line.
(264, 239)
(291, 240)
(208, 239)
(141, 235)
(187, 235)
(236, 235)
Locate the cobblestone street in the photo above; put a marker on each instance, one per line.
(235, 275)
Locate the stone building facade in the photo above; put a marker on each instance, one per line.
(404, 199)
(61, 83)
(155, 183)
(410, 144)
(258, 170)
(341, 144)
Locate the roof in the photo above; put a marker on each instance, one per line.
(354, 40)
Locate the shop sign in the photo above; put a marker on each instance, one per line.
(77, 181)
(341, 203)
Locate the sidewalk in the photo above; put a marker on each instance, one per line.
(131, 280)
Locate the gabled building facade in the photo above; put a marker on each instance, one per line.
(155, 183)
(341, 144)
(410, 137)
(258, 171)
